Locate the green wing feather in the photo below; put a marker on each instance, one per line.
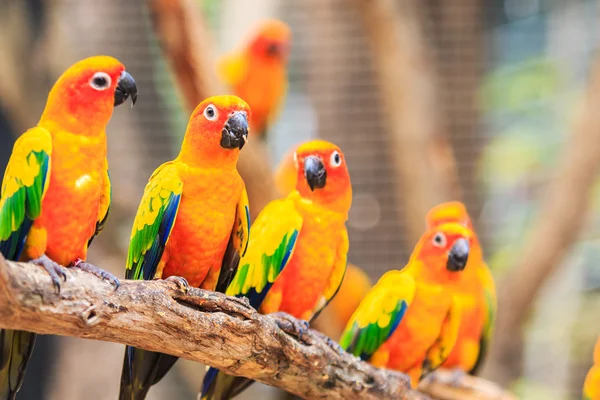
(153, 222)
(379, 314)
(23, 188)
(274, 238)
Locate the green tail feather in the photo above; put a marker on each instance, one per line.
(15, 351)
(141, 370)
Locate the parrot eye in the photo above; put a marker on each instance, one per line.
(210, 113)
(336, 159)
(100, 81)
(439, 240)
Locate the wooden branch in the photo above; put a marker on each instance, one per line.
(185, 41)
(469, 387)
(423, 158)
(557, 227)
(195, 324)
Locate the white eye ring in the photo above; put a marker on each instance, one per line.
(439, 240)
(211, 113)
(296, 160)
(100, 81)
(335, 160)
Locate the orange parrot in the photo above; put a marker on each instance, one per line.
(591, 387)
(476, 293)
(193, 221)
(409, 320)
(56, 188)
(258, 73)
(356, 283)
(296, 257)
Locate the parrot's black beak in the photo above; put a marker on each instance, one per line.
(315, 172)
(235, 131)
(125, 87)
(458, 256)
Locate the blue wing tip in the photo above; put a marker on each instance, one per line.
(208, 380)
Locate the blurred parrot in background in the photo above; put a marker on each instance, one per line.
(476, 294)
(296, 257)
(356, 283)
(355, 286)
(56, 188)
(258, 73)
(591, 387)
(409, 320)
(193, 221)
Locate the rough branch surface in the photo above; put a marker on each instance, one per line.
(198, 325)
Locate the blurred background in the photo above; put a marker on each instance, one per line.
(490, 88)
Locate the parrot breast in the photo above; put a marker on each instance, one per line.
(203, 226)
(305, 278)
(418, 330)
(71, 206)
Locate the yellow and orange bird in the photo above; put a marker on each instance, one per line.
(193, 221)
(56, 188)
(409, 320)
(258, 73)
(296, 256)
(356, 283)
(591, 387)
(476, 293)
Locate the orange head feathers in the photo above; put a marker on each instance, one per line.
(450, 211)
(83, 97)
(216, 132)
(443, 251)
(271, 41)
(257, 72)
(322, 175)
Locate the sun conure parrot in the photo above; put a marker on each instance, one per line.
(591, 386)
(56, 188)
(257, 72)
(296, 257)
(356, 283)
(193, 221)
(476, 294)
(409, 320)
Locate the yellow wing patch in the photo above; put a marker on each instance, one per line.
(22, 167)
(270, 248)
(383, 299)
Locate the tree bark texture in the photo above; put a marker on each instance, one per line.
(194, 324)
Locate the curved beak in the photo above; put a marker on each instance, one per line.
(458, 255)
(235, 131)
(315, 172)
(126, 87)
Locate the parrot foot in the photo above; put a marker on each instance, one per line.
(335, 346)
(100, 273)
(290, 325)
(332, 344)
(56, 271)
(181, 282)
